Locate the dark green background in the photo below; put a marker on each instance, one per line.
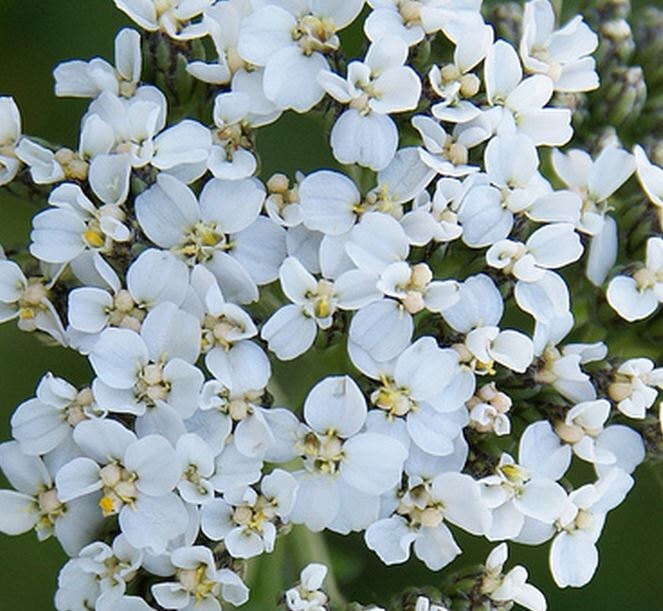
(34, 36)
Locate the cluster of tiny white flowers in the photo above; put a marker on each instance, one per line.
(181, 276)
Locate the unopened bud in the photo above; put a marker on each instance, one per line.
(278, 183)
(570, 433)
(469, 85)
(618, 391)
(458, 154)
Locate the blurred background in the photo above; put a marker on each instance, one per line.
(34, 37)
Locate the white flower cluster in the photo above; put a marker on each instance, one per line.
(181, 276)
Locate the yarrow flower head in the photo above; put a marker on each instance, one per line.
(429, 335)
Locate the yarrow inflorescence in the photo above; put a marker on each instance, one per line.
(480, 233)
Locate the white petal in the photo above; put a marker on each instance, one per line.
(157, 276)
(291, 78)
(542, 499)
(372, 462)
(169, 332)
(103, 440)
(611, 170)
(502, 71)
(382, 328)
(260, 248)
(153, 522)
(376, 242)
(88, 309)
(166, 211)
(118, 356)
(479, 304)
(289, 333)
(513, 350)
(368, 140)
(542, 452)
(573, 559)
(336, 403)
(154, 461)
(77, 478)
(232, 204)
(296, 282)
(461, 498)
(628, 301)
(390, 539)
(263, 33)
(18, 512)
(242, 368)
(327, 201)
(317, 502)
(109, 178)
(436, 547)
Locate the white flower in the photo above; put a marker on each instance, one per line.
(36, 504)
(75, 224)
(47, 421)
(527, 489)
(522, 101)
(291, 330)
(82, 79)
(420, 519)
(564, 54)
(635, 385)
(379, 246)
(291, 41)
(582, 429)
(573, 554)
(425, 387)
(10, 132)
(76, 588)
(638, 296)
(45, 168)
(150, 375)
(487, 210)
(136, 477)
(221, 22)
(488, 409)
(230, 157)
(28, 300)
(455, 83)
(442, 152)
(434, 218)
(200, 583)
(477, 312)
(344, 471)
(113, 566)
(512, 586)
(196, 460)
(131, 126)
(375, 88)
(550, 247)
(412, 20)
(307, 595)
(224, 231)
(594, 181)
(246, 520)
(174, 17)
(156, 276)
